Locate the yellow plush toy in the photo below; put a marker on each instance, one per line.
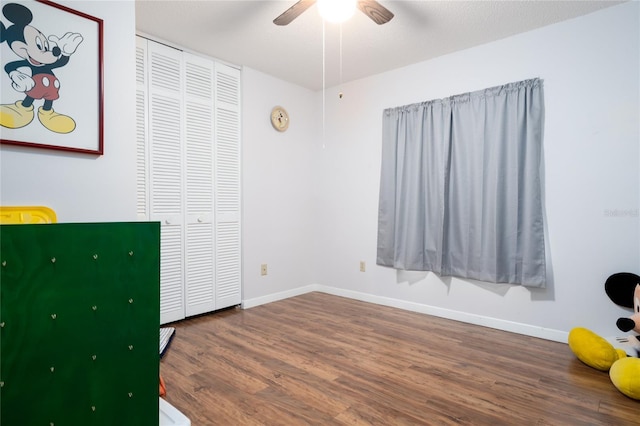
(625, 376)
(595, 351)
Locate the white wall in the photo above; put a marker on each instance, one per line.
(311, 197)
(81, 187)
(590, 67)
(279, 203)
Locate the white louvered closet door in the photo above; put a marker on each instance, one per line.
(166, 155)
(227, 166)
(188, 176)
(142, 158)
(199, 142)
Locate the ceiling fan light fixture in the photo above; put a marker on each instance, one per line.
(336, 11)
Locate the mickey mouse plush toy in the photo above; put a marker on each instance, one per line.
(623, 364)
(33, 74)
(624, 290)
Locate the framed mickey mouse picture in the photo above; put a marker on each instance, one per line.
(51, 78)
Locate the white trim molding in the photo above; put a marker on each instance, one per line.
(498, 324)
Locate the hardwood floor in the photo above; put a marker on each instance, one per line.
(325, 360)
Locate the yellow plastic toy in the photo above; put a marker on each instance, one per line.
(26, 214)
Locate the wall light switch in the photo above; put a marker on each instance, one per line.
(363, 266)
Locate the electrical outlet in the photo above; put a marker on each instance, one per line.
(363, 266)
(263, 269)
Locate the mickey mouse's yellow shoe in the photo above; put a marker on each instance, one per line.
(625, 376)
(593, 350)
(14, 116)
(55, 122)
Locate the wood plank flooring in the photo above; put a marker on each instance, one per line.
(319, 359)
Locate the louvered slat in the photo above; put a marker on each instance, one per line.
(227, 86)
(228, 262)
(227, 161)
(171, 289)
(199, 276)
(141, 155)
(141, 60)
(199, 81)
(165, 70)
(199, 158)
(166, 170)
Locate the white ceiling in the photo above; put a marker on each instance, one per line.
(241, 32)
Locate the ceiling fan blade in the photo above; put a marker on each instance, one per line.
(374, 10)
(293, 12)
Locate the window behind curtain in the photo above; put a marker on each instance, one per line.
(460, 190)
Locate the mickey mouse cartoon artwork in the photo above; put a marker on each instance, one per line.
(32, 75)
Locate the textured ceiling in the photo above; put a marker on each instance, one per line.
(241, 32)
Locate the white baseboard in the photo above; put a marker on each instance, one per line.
(498, 324)
(257, 301)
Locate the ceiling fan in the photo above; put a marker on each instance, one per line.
(374, 10)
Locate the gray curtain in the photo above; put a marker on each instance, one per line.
(460, 189)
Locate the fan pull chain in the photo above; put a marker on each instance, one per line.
(323, 86)
(340, 83)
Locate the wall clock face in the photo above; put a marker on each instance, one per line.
(279, 119)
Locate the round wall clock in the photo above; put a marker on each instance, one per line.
(279, 118)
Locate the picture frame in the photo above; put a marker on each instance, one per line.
(51, 77)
